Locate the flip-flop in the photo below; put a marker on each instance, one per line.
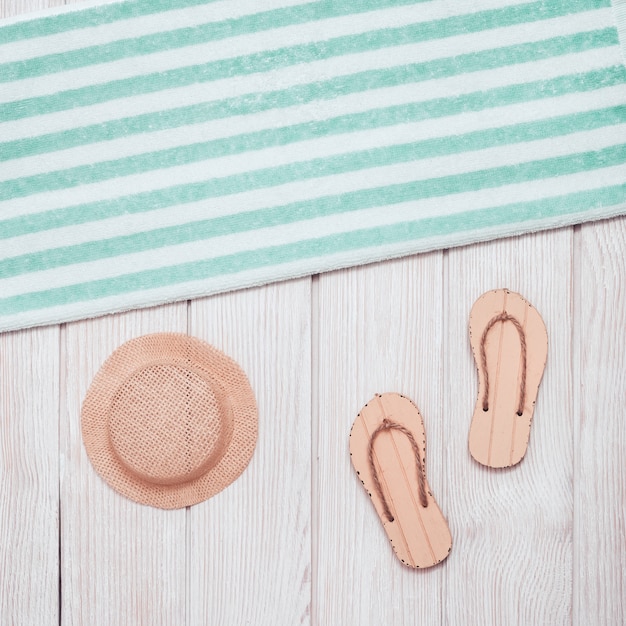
(388, 450)
(510, 346)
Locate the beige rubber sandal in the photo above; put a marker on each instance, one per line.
(510, 346)
(388, 450)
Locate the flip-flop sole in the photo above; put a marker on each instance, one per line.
(502, 320)
(419, 535)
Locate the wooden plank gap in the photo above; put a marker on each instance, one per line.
(315, 494)
(61, 398)
(576, 412)
(187, 603)
(445, 368)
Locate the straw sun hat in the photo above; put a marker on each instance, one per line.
(169, 420)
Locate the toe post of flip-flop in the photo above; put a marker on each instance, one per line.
(510, 346)
(388, 452)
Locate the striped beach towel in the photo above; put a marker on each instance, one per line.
(159, 150)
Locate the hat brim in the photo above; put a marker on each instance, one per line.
(166, 347)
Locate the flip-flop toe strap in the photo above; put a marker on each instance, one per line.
(504, 317)
(388, 424)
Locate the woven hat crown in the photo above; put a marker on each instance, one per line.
(169, 424)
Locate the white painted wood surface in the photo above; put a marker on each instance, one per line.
(295, 540)
(378, 329)
(599, 425)
(513, 527)
(29, 477)
(249, 550)
(120, 563)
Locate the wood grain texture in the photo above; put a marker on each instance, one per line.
(249, 547)
(15, 7)
(29, 477)
(122, 563)
(600, 430)
(512, 559)
(379, 329)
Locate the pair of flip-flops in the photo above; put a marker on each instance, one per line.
(388, 442)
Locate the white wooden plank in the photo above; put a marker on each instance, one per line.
(15, 7)
(600, 433)
(29, 477)
(379, 330)
(250, 545)
(29, 458)
(512, 560)
(122, 562)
